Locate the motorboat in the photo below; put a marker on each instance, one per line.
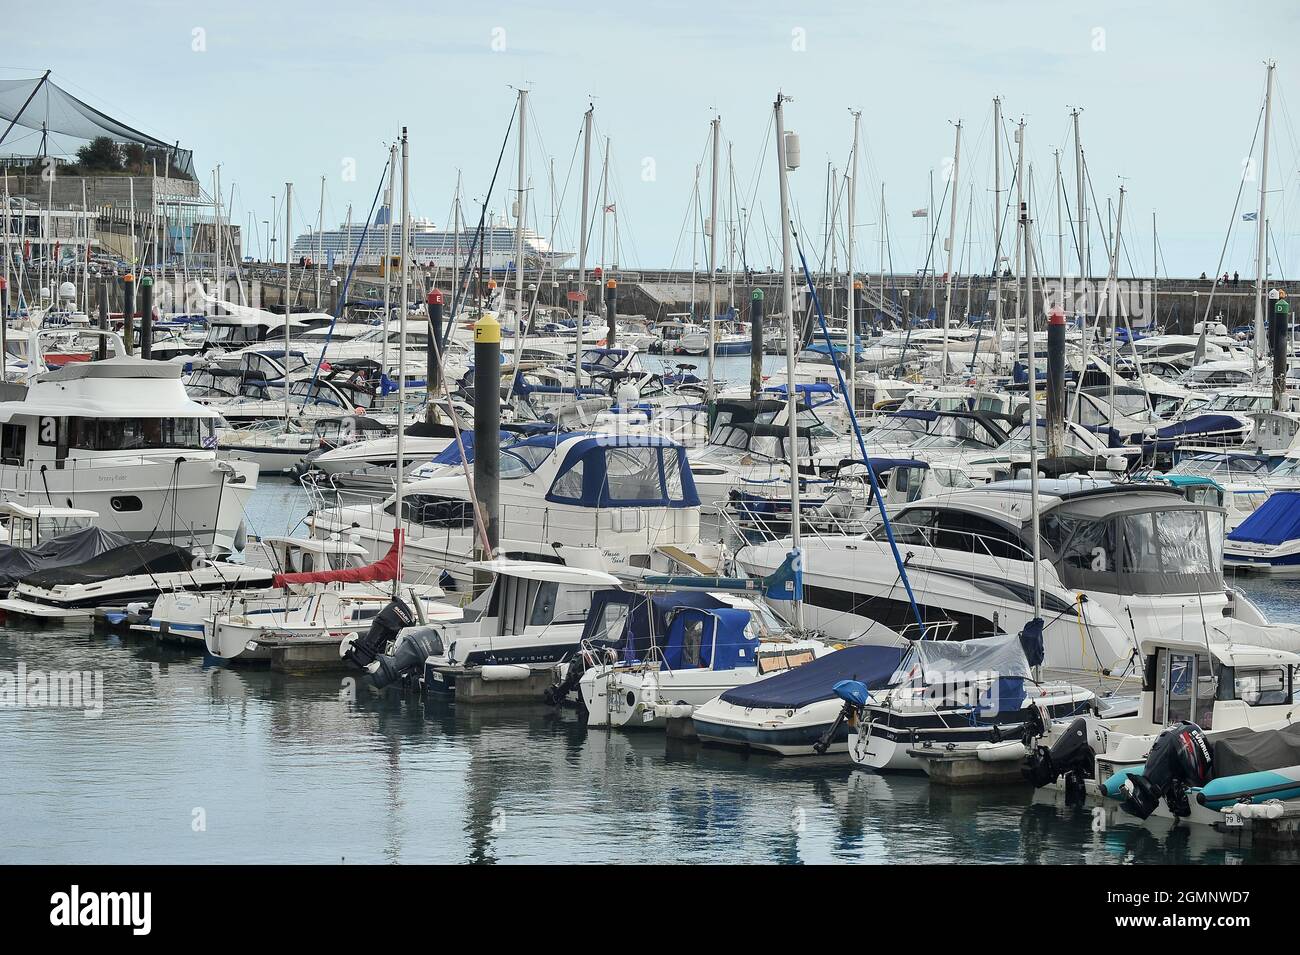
(134, 573)
(120, 437)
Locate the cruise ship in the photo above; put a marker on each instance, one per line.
(432, 246)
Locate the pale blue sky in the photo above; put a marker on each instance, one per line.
(291, 90)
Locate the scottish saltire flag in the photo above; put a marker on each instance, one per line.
(1249, 216)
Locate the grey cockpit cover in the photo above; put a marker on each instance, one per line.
(62, 551)
(942, 661)
(1256, 752)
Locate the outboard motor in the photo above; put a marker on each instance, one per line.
(1180, 757)
(363, 650)
(1071, 756)
(413, 646)
(578, 664)
(855, 695)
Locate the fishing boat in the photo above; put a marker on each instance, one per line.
(528, 619)
(1216, 729)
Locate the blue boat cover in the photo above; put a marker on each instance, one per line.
(1201, 424)
(812, 682)
(1274, 521)
(612, 470)
(723, 644)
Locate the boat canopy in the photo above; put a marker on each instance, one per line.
(624, 471)
(813, 682)
(713, 639)
(1274, 522)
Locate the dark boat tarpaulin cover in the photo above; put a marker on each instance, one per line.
(65, 550)
(138, 557)
(812, 682)
(1256, 752)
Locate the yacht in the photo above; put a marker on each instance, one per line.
(1117, 561)
(621, 501)
(120, 437)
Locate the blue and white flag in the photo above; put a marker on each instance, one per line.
(1249, 216)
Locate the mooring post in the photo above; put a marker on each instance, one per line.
(487, 433)
(611, 312)
(146, 317)
(128, 312)
(102, 289)
(433, 355)
(755, 343)
(1055, 385)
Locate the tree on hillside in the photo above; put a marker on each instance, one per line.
(101, 154)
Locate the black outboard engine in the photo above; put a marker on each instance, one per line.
(1180, 757)
(1071, 756)
(363, 650)
(413, 647)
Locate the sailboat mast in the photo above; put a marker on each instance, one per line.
(582, 250)
(520, 212)
(401, 354)
(713, 260)
(952, 242)
(320, 239)
(1261, 221)
(387, 270)
(1033, 393)
(792, 396)
(851, 351)
(997, 227)
(288, 290)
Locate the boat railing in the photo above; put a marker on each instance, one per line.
(826, 526)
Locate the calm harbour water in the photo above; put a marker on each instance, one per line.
(192, 762)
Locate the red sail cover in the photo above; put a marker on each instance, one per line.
(385, 569)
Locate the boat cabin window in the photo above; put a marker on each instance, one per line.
(13, 444)
(1263, 686)
(429, 510)
(602, 476)
(1159, 551)
(519, 603)
(1185, 688)
(972, 534)
(140, 434)
(226, 333)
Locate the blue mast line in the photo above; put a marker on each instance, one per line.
(343, 298)
(862, 445)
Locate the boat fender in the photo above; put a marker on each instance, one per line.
(493, 673)
(673, 711)
(241, 537)
(1000, 752)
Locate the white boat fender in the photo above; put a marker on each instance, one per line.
(507, 671)
(1000, 752)
(673, 711)
(1272, 809)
